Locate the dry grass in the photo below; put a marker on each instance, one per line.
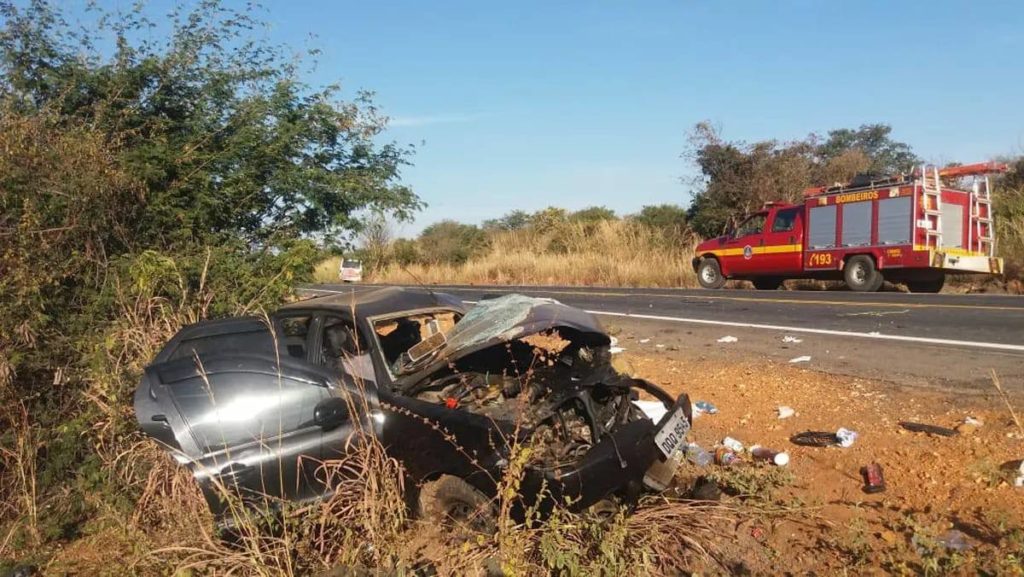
(610, 253)
(326, 271)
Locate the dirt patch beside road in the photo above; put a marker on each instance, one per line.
(939, 488)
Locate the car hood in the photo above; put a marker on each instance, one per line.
(514, 316)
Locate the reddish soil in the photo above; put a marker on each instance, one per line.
(934, 484)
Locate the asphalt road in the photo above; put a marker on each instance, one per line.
(919, 339)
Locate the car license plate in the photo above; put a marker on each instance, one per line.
(671, 435)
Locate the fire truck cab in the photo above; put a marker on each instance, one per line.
(912, 229)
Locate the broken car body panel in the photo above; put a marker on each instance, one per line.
(250, 419)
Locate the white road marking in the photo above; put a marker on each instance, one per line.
(872, 335)
(808, 330)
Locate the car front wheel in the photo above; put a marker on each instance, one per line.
(709, 274)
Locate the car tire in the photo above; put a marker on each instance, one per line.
(709, 274)
(861, 275)
(928, 285)
(767, 283)
(451, 502)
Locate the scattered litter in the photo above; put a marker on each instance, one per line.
(973, 422)
(1019, 481)
(616, 350)
(930, 429)
(698, 456)
(660, 346)
(732, 444)
(842, 438)
(704, 407)
(644, 341)
(654, 410)
(613, 341)
(786, 412)
(779, 458)
(800, 359)
(954, 540)
(725, 456)
(846, 437)
(757, 533)
(728, 339)
(790, 339)
(815, 439)
(874, 482)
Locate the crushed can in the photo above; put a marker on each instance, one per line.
(726, 456)
(874, 482)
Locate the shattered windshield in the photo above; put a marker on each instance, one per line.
(501, 319)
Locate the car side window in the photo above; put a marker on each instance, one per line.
(785, 220)
(753, 225)
(295, 334)
(343, 350)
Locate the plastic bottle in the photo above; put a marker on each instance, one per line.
(732, 444)
(698, 456)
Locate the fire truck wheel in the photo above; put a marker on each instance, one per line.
(931, 285)
(709, 274)
(767, 283)
(861, 275)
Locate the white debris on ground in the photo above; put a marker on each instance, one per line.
(654, 410)
(613, 346)
(728, 339)
(786, 412)
(846, 437)
(791, 339)
(800, 359)
(644, 341)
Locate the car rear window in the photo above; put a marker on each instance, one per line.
(351, 264)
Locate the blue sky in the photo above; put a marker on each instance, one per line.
(530, 104)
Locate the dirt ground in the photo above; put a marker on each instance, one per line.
(938, 488)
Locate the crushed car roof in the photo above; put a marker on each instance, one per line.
(373, 300)
(514, 316)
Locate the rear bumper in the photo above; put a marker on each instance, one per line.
(955, 263)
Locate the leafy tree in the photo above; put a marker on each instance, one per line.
(549, 219)
(663, 216)
(451, 242)
(885, 156)
(224, 137)
(404, 252)
(515, 220)
(593, 214)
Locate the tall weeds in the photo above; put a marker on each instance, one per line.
(606, 253)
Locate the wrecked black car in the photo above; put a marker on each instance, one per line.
(260, 404)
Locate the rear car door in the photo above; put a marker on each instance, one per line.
(244, 424)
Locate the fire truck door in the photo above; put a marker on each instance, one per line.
(744, 246)
(783, 241)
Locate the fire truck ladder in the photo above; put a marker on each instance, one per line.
(931, 206)
(983, 240)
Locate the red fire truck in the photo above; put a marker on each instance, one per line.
(911, 229)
